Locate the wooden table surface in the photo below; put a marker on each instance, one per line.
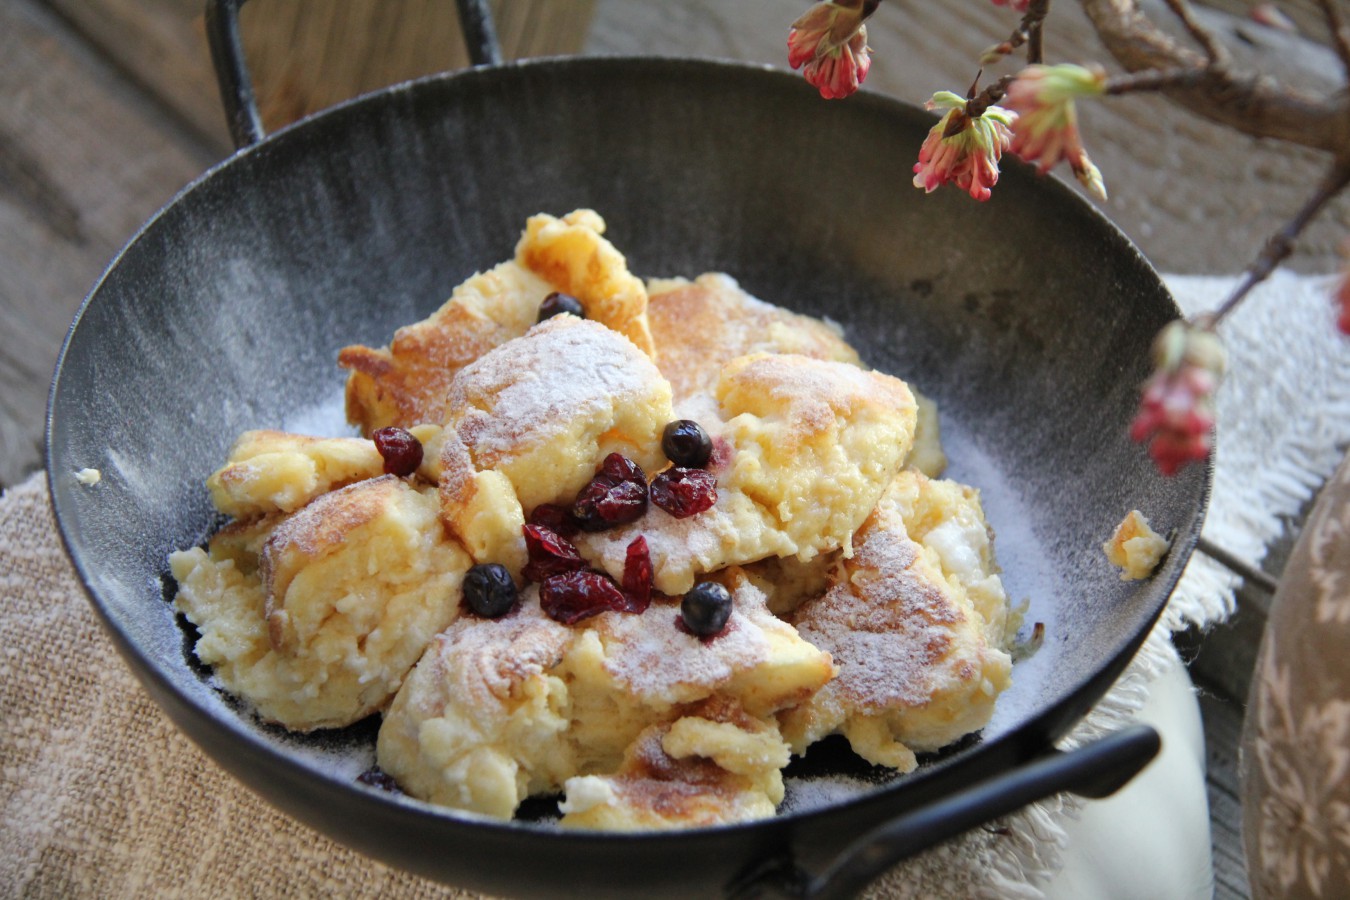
(110, 108)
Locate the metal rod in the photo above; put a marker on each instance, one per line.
(1245, 570)
(480, 35)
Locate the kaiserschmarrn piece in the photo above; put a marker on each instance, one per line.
(917, 622)
(717, 767)
(406, 384)
(276, 471)
(699, 326)
(804, 449)
(315, 618)
(498, 710)
(529, 423)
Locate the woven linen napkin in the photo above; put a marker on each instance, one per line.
(100, 796)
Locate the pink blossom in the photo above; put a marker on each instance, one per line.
(1047, 125)
(1343, 303)
(1015, 5)
(962, 150)
(830, 40)
(1176, 410)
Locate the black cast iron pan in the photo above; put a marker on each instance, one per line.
(1028, 318)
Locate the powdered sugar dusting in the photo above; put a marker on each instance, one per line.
(529, 390)
(657, 661)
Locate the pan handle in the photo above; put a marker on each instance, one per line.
(1095, 770)
(236, 87)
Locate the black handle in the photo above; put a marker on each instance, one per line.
(236, 87)
(1096, 770)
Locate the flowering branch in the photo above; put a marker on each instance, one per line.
(1038, 122)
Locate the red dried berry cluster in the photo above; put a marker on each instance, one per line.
(570, 591)
(684, 492)
(615, 496)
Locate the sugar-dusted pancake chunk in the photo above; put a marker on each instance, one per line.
(715, 766)
(700, 325)
(916, 621)
(315, 618)
(572, 256)
(498, 710)
(406, 383)
(276, 471)
(804, 448)
(529, 423)
(482, 721)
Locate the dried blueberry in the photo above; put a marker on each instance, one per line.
(401, 451)
(685, 443)
(489, 590)
(706, 608)
(558, 303)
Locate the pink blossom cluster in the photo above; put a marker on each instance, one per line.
(1176, 410)
(961, 149)
(830, 40)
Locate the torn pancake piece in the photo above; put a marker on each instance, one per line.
(406, 383)
(803, 449)
(530, 422)
(278, 472)
(500, 710)
(715, 766)
(315, 618)
(917, 622)
(698, 326)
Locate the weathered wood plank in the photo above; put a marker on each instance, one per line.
(84, 161)
(306, 55)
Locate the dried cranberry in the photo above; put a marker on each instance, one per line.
(573, 596)
(375, 778)
(555, 518)
(401, 451)
(558, 303)
(616, 495)
(550, 554)
(621, 468)
(685, 443)
(489, 590)
(706, 609)
(637, 575)
(684, 492)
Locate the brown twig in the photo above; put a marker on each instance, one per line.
(1248, 103)
(1281, 244)
(1154, 80)
(1036, 13)
(1216, 52)
(1029, 33)
(1340, 37)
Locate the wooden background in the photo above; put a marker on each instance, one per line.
(110, 107)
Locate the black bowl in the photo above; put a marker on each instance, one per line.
(1028, 318)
